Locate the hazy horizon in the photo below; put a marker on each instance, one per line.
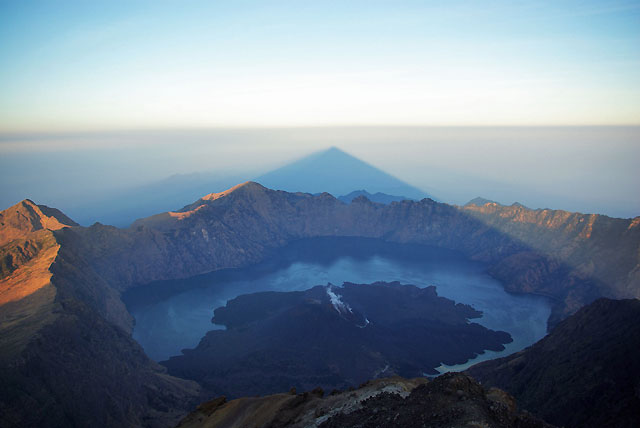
(586, 169)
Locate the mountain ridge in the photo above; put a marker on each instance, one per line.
(565, 256)
(450, 400)
(571, 257)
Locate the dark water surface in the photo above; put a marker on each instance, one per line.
(173, 315)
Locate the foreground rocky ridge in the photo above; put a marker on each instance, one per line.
(68, 325)
(585, 373)
(451, 400)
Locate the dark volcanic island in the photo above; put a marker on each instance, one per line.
(332, 337)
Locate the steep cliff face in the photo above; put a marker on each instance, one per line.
(585, 373)
(573, 257)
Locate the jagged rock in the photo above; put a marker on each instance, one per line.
(391, 402)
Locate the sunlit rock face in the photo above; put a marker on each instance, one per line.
(27, 248)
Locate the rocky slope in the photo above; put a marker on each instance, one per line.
(28, 249)
(62, 363)
(571, 257)
(585, 373)
(452, 400)
(332, 337)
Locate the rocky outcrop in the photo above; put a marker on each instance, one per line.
(585, 373)
(450, 400)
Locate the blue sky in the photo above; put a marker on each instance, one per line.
(84, 65)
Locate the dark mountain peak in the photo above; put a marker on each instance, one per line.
(337, 172)
(379, 197)
(480, 201)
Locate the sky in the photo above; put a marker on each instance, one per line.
(529, 101)
(84, 65)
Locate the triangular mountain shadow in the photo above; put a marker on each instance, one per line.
(332, 171)
(338, 173)
(122, 208)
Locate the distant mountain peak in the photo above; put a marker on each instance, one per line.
(379, 197)
(337, 172)
(247, 186)
(480, 202)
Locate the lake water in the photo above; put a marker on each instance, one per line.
(174, 315)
